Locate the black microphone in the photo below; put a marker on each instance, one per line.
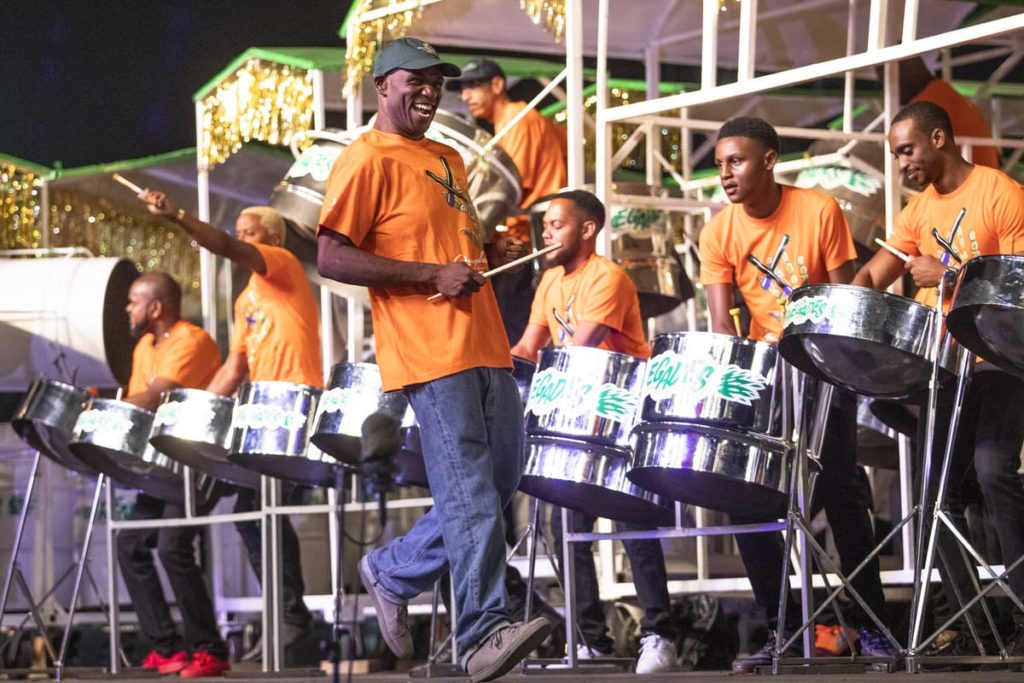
(381, 442)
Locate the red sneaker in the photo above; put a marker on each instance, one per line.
(203, 665)
(155, 661)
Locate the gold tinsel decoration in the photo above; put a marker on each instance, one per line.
(550, 12)
(20, 208)
(371, 34)
(262, 101)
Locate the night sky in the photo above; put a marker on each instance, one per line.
(86, 82)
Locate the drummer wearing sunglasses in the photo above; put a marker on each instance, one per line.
(171, 353)
(772, 238)
(275, 339)
(584, 299)
(963, 211)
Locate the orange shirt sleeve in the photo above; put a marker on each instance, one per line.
(837, 246)
(1009, 215)
(188, 363)
(353, 195)
(607, 300)
(906, 230)
(715, 268)
(538, 310)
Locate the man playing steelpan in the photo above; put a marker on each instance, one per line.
(587, 300)
(770, 240)
(964, 210)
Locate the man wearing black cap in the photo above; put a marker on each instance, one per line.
(538, 148)
(397, 219)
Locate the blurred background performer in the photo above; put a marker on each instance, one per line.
(397, 219)
(275, 339)
(171, 353)
(819, 250)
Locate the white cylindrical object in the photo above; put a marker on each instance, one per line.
(65, 319)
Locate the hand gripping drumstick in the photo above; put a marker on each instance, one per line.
(509, 265)
(127, 183)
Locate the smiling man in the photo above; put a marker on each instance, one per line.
(976, 211)
(397, 219)
(773, 238)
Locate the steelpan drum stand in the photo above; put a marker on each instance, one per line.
(933, 517)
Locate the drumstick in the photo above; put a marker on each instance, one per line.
(893, 250)
(127, 183)
(509, 265)
(735, 313)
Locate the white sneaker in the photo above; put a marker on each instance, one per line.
(656, 655)
(585, 652)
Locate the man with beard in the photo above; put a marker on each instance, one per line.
(171, 352)
(977, 211)
(587, 300)
(804, 238)
(397, 219)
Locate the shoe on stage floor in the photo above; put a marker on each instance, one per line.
(155, 661)
(205, 665)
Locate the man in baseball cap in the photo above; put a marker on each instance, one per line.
(476, 73)
(411, 54)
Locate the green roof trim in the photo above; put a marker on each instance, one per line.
(323, 58)
(30, 166)
(127, 165)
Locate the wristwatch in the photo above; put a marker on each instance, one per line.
(179, 215)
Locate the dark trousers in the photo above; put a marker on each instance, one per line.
(175, 547)
(843, 491)
(649, 577)
(514, 293)
(989, 438)
(293, 588)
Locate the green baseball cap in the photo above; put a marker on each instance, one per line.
(411, 54)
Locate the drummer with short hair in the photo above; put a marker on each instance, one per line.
(964, 210)
(771, 239)
(275, 339)
(584, 299)
(171, 353)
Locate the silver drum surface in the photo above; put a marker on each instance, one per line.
(591, 479)
(353, 395)
(46, 417)
(585, 393)
(987, 315)
(192, 427)
(270, 433)
(714, 379)
(713, 468)
(869, 342)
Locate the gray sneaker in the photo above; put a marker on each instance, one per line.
(392, 616)
(505, 648)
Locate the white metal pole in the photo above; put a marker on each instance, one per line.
(574, 90)
(652, 74)
(748, 39)
(849, 82)
(709, 45)
(910, 10)
(354, 100)
(602, 134)
(877, 23)
(207, 261)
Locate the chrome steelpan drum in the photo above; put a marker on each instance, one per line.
(410, 469)
(46, 417)
(193, 426)
(353, 395)
(112, 437)
(522, 372)
(869, 342)
(713, 468)
(270, 432)
(715, 379)
(585, 393)
(591, 479)
(987, 315)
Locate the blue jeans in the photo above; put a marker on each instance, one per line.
(471, 428)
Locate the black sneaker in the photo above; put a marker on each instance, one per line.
(763, 657)
(873, 643)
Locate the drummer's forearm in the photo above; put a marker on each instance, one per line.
(880, 272)
(339, 259)
(230, 374)
(720, 301)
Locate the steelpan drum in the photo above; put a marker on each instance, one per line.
(987, 315)
(46, 417)
(713, 468)
(585, 393)
(410, 469)
(353, 395)
(112, 437)
(270, 432)
(522, 372)
(716, 379)
(192, 427)
(869, 342)
(591, 479)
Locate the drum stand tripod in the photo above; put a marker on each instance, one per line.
(809, 438)
(80, 567)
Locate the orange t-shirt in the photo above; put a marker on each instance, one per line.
(406, 200)
(967, 119)
(993, 224)
(819, 242)
(599, 291)
(538, 148)
(187, 356)
(276, 322)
